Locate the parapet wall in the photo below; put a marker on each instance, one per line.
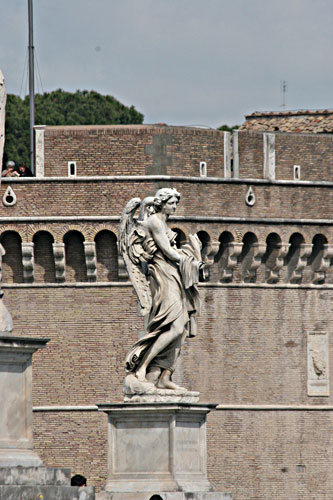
(134, 150)
(313, 153)
(199, 197)
(179, 151)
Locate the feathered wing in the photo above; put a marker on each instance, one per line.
(131, 237)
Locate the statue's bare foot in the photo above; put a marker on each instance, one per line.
(165, 382)
(141, 375)
(153, 375)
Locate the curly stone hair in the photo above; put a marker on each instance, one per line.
(163, 195)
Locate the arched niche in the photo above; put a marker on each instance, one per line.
(273, 258)
(12, 269)
(75, 258)
(44, 269)
(205, 242)
(107, 256)
(320, 259)
(296, 258)
(205, 249)
(181, 237)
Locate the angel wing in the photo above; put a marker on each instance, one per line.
(131, 237)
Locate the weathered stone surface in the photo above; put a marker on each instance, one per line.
(39, 150)
(2, 114)
(163, 495)
(318, 364)
(143, 392)
(30, 476)
(6, 322)
(46, 493)
(169, 298)
(157, 447)
(16, 446)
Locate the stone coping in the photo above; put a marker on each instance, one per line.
(174, 219)
(26, 343)
(128, 284)
(170, 178)
(157, 406)
(219, 407)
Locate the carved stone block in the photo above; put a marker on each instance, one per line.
(16, 447)
(59, 261)
(269, 156)
(321, 263)
(2, 114)
(28, 262)
(275, 261)
(227, 156)
(235, 154)
(252, 261)
(91, 261)
(298, 262)
(229, 259)
(318, 368)
(157, 447)
(39, 149)
(122, 269)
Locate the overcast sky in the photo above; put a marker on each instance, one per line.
(181, 62)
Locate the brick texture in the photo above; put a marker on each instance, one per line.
(313, 152)
(133, 150)
(221, 199)
(251, 344)
(251, 349)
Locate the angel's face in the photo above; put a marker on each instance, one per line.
(170, 206)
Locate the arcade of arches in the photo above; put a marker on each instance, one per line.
(232, 256)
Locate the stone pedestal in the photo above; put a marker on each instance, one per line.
(30, 483)
(22, 475)
(157, 448)
(16, 446)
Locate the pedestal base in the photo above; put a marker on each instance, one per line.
(10, 457)
(27, 483)
(164, 495)
(16, 446)
(157, 447)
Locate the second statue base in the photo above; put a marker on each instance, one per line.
(157, 448)
(164, 495)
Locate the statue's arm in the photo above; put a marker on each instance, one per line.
(158, 233)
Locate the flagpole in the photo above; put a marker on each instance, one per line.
(31, 87)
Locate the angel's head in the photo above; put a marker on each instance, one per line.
(166, 200)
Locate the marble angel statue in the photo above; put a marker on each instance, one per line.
(165, 279)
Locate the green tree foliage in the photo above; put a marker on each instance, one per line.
(226, 128)
(60, 108)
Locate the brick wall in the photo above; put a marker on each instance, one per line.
(313, 152)
(251, 155)
(272, 455)
(203, 198)
(251, 349)
(12, 260)
(133, 150)
(44, 261)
